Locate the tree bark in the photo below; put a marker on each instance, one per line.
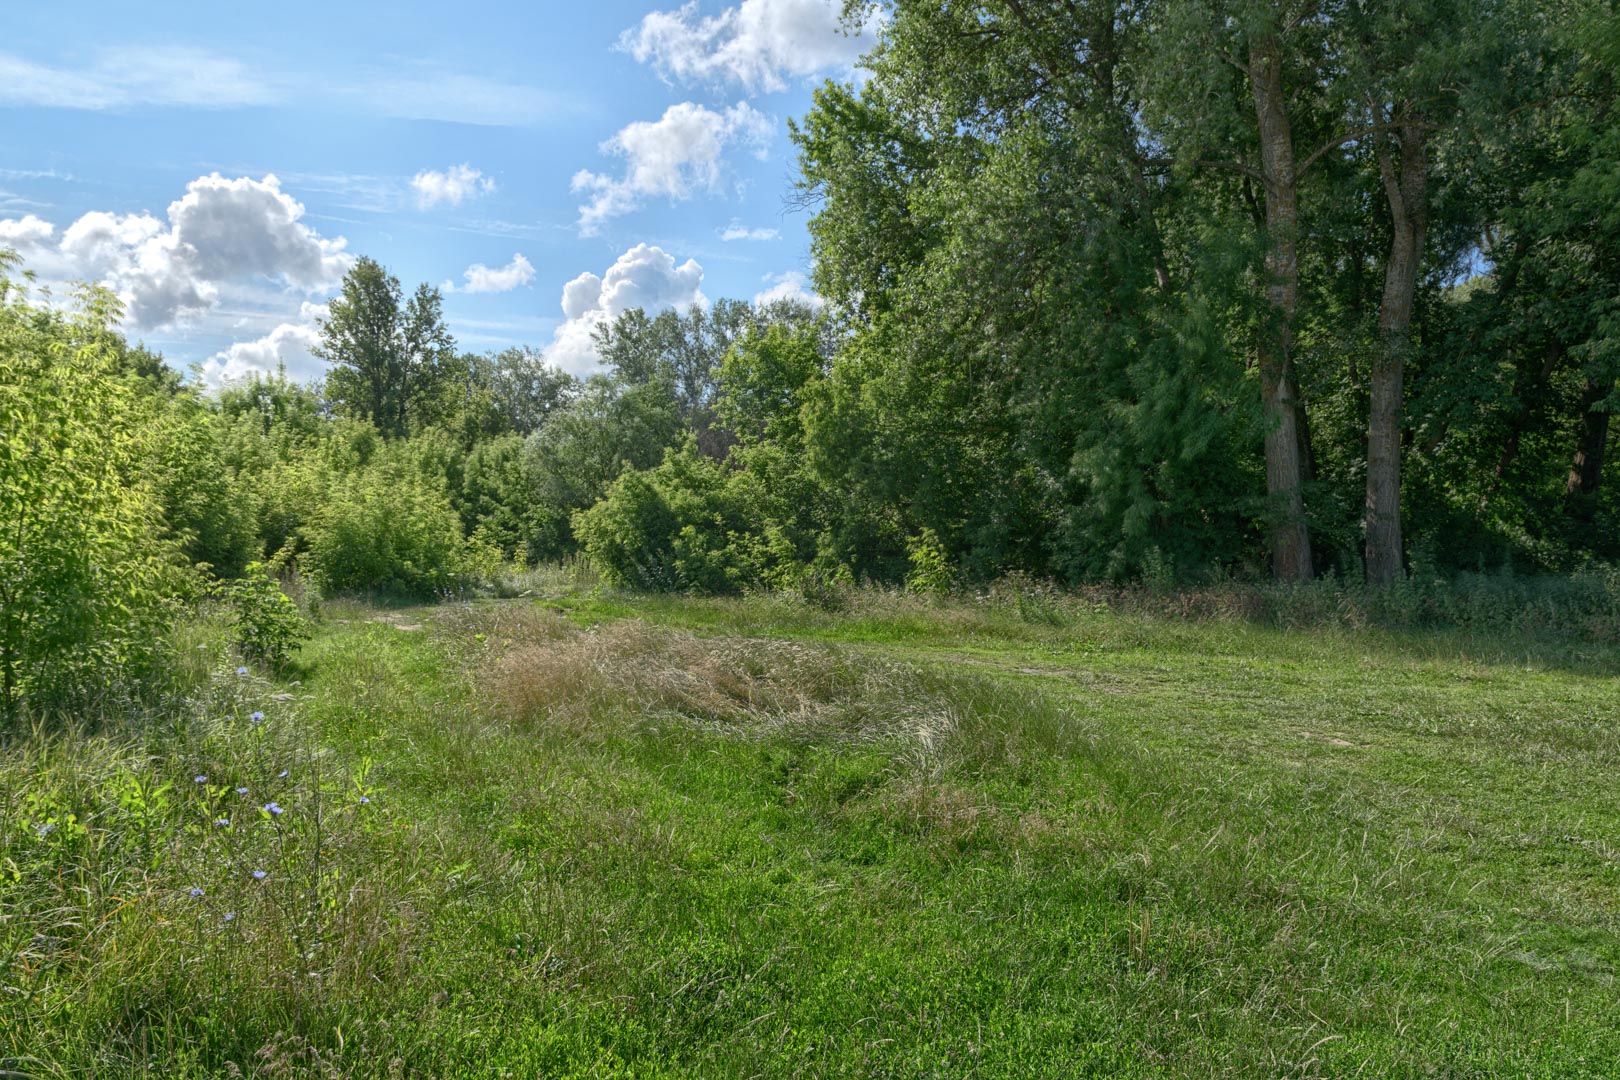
(1406, 181)
(1279, 390)
(1591, 435)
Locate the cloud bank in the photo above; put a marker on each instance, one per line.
(221, 231)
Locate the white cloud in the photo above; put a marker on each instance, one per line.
(792, 285)
(290, 345)
(25, 233)
(453, 186)
(674, 156)
(644, 277)
(221, 231)
(125, 77)
(479, 278)
(760, 44)
(738, 231)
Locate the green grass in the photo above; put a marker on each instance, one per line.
(621, 836)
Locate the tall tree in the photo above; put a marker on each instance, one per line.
(388, 361)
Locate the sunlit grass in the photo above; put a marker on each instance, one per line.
(587, 834)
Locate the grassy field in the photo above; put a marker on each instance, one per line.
(601, 835)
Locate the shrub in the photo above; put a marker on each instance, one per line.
(388, 529)
(930, 566)
(694, 523)
(267, 622)
(84, 570)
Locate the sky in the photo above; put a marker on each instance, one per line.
(221, 166)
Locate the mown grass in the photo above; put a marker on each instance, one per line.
(640, 836)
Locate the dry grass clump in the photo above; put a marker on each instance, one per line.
(602, 679)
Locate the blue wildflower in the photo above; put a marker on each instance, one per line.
(229, 915)
(272, 808)
(256, 716)
(364, 801)
(282, 775)
(200, 779)
(258, 875)
(222, 822)
(196, 893)
(241, 791)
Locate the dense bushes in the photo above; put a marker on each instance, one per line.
(696, 524)
(387, 528)
(84, 567)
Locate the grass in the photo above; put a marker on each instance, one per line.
(610, 835)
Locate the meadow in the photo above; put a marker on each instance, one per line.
(596, 833)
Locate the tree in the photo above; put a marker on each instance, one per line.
(388, 362)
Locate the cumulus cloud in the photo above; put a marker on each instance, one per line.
(760, 44)
(643, 277)
(124, 77)
(26, 232)
(675, 156)
(792, 285)
(455, 185)
(479, 278)
(738, 231)
(221, 231)
(291, 345)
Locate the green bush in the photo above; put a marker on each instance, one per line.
(386, 529)
(694, 523)
(268, 624)
(85, 572)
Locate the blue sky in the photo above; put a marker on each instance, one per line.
(220, 165)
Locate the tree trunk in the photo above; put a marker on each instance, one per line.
(1279, 391)
(1586, 473)
(1406, 183)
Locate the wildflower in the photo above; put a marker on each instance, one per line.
(364, 801)
(273, 808)
(256, 716)
(241, 671)
(241, 791)
(222, 822)
(282, 775)
(200, 779)
(229, 915)
(258, 875)
(196, 893)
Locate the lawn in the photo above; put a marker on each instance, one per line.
(607, 835)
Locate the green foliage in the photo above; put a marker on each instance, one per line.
(208, 509)
(267, 623)
(570, 463)
(85, 572)
(693, 523)
(386, 527)
(762, 383)
(392, 363)
(930, 571)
